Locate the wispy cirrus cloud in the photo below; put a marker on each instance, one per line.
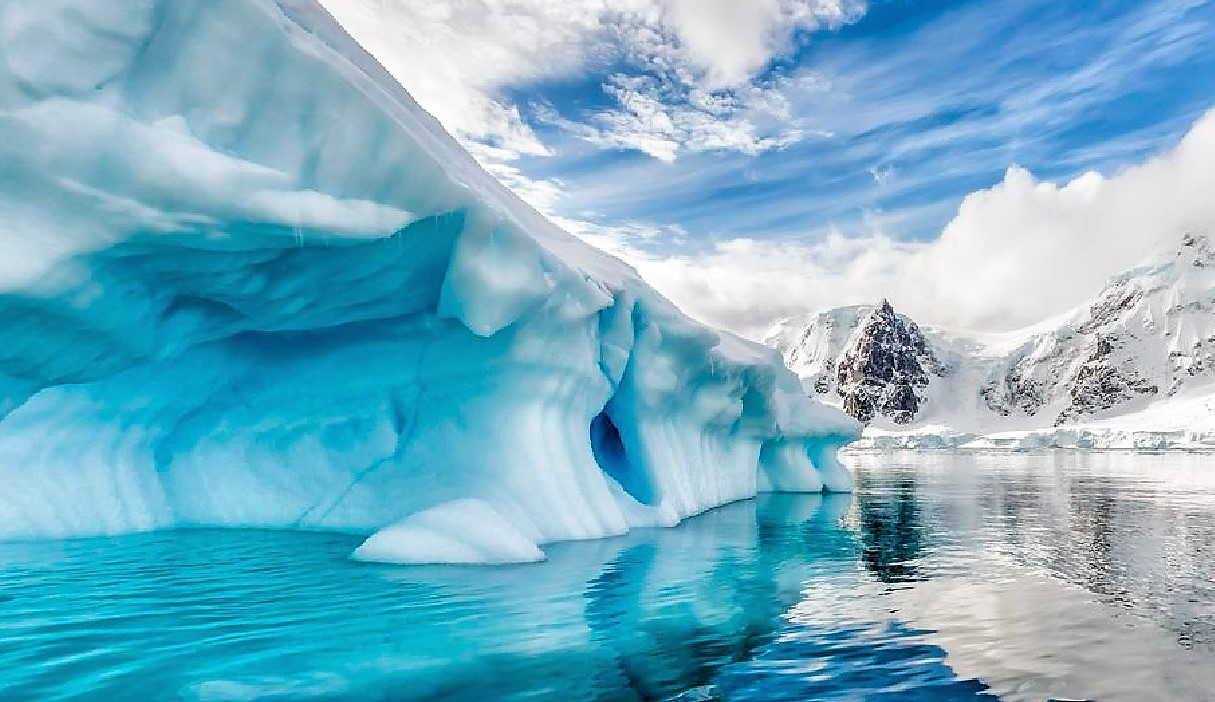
(753, 165)
(662, 118)
(676, 74)
(1013, 254)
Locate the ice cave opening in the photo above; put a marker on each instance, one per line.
(610, 453)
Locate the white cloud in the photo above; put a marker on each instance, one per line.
(649, 119)
(1013, 254)
(455, 56)
(730, 40)
(684, 79)
(693, 62)
(540, 193)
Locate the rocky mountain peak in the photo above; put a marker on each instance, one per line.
(885, 367)
(1147, 337)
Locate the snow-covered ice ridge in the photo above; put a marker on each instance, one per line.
(246, 280)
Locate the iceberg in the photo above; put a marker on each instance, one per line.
(246, 281)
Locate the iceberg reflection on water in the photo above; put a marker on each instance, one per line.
(245, 614)
(946, 577)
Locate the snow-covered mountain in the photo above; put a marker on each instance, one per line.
(881, 369)
(1146, 340)
(246, 280)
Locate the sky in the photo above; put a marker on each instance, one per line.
(982, 164)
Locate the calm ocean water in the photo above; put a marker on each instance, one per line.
(945, 577)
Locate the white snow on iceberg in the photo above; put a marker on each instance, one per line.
(246, 280)
(460, 531)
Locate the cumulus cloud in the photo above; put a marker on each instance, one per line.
(1013, 254)
(730, 40)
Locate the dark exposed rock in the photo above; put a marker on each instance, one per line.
(1149, 333)
(1102, 384)
(1114, 301)
(1014, 393)
(885, 368)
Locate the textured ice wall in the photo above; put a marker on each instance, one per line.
(245, 280)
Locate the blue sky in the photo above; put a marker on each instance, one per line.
(680, 133)
(914, 106)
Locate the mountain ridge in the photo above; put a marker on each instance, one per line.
(1146, 338)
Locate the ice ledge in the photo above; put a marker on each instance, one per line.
(461, 531)
(1185, 422)
(1031, 440)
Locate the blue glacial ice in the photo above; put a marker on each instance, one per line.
(245, 280)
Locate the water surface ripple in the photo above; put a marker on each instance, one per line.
(946, 577)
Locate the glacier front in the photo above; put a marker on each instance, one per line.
(246, 281)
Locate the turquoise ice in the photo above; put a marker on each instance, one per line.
(246, 281)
